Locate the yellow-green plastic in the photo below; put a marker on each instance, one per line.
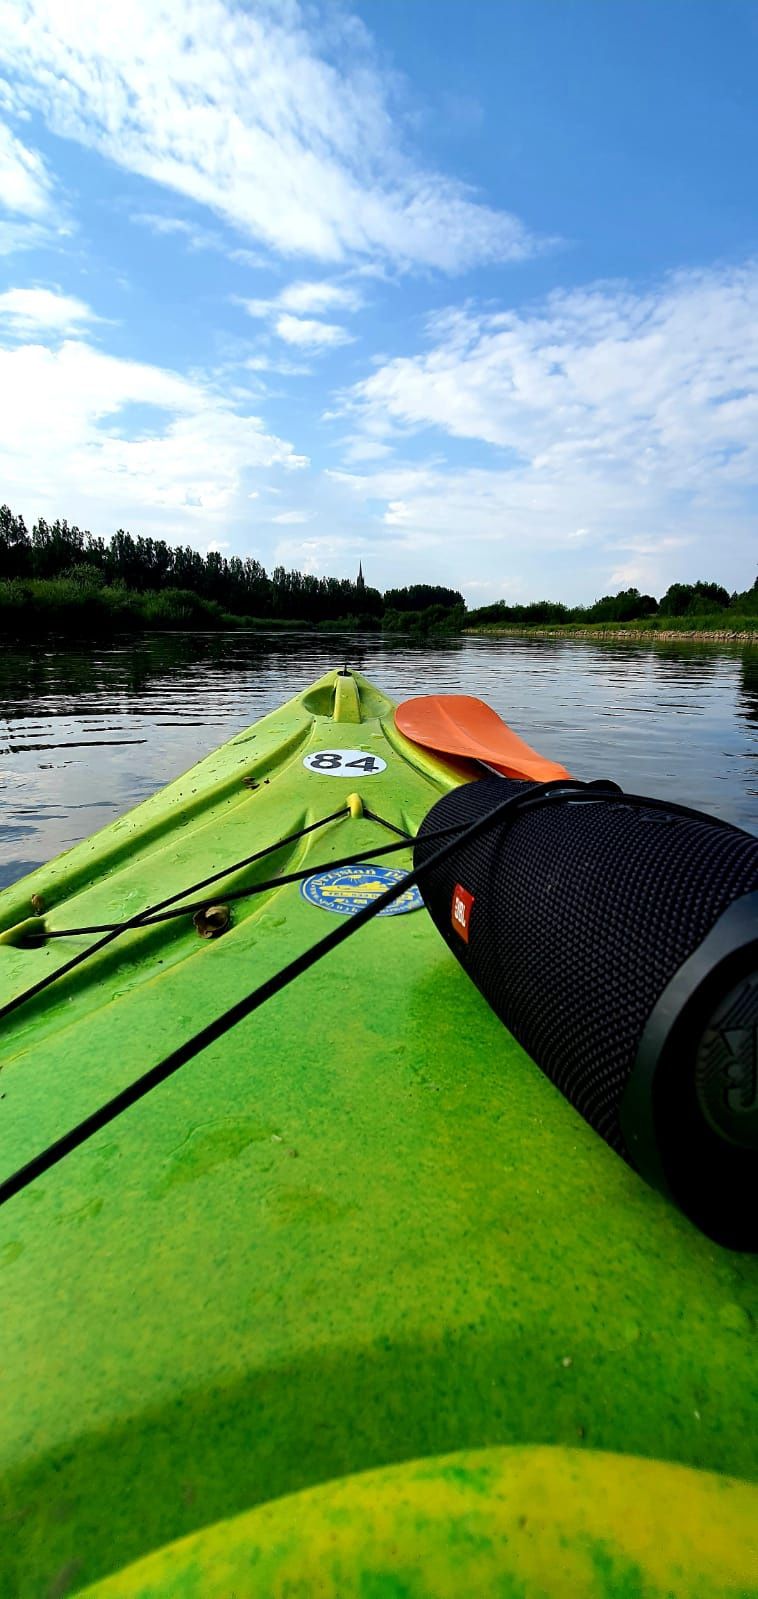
(485, 1524)
(362, 1229)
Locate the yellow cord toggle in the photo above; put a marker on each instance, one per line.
(26, 934)
(355, 805)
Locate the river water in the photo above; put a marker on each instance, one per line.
(86, 731)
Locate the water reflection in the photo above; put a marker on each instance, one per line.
(85, 733)
(747, 704)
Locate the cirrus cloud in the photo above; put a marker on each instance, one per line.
(29, 215)
(25, 184)
(277, 118)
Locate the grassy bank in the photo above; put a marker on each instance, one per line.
(33, 606)
(716, 629)
(60, 605)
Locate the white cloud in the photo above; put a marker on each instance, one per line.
(277, 364)
(324, 296)
(602, 375)
(25, 185)
(320, 556)
(267, 367)
(16, 235)
(277, 117)
(70, 443)
(310, 334)
(161, 223)
(355, 449)
(306, 332)
(291, 518)
(197, 237)
(29, 216)
(633, 414)
(257, 308)
(27, 311)
(248, 258)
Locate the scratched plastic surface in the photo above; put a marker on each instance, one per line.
(361, 1229)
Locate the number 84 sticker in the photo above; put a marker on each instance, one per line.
(344, 763)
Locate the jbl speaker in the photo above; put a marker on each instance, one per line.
(617, 939)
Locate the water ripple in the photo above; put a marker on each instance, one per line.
(679, 721)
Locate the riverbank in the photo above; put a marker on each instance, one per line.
(746, 633)
(33, 607)
(70, 607)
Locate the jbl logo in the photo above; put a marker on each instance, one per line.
(727, 1068)
(461, 911)
(740, 1074)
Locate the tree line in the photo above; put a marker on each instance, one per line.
(629, 605)
(242, 586)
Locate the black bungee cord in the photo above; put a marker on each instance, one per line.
(507, 812)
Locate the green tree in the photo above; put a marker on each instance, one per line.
(55, 546)
(626, 606)
(691, 599)
(15, 545)
(418, 596)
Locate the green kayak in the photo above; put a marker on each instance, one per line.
(354, 1302)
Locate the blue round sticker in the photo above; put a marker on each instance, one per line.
(347, 889)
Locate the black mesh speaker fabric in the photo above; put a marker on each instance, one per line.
(582, 914)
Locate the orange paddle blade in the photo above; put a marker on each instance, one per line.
(459, 724)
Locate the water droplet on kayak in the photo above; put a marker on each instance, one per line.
(210, 1145)
(86, 1212)
(734, 1317)
(301, 1207)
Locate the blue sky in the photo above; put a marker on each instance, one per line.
(466, 292)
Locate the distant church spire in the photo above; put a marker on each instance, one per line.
(359, 582)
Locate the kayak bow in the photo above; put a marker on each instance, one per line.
(359, 1233)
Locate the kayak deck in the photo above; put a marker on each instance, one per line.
(360, 1229)
(535, 1523)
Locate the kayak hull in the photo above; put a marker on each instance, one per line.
(360, 1229)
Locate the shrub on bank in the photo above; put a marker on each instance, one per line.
(81, 602)
(434, 619)
(350, 624)
(723, 624)
(685, 608)
(75, 604)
